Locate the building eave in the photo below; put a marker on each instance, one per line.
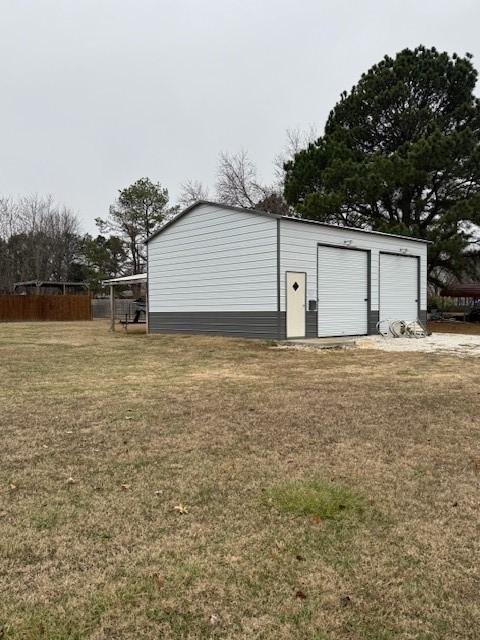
(274, 216)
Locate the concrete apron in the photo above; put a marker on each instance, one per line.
(323, 343)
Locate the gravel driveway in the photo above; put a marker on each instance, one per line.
(448, 343)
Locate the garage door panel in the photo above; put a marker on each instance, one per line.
(398, 287)
(342, 291)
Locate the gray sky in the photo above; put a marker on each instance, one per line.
(98, 93)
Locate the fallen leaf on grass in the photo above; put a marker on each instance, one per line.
(124, 487)
(300, 558)
(13, 487)
(345, 600)
(214, 619)
(179, 508)
(300, 594)
(159, 580)
(70, 480)
(316, 520)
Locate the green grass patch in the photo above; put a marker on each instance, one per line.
(317, 498)
(46, 519)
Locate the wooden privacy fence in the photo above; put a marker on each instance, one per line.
(44, 307)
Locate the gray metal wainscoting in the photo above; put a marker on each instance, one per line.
(240, 324)
(266, 325)
(311, 328)
(373, 317)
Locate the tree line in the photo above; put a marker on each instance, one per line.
(41, 240)
(400, 153)
(38, 239)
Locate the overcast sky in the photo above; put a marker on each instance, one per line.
(98, 93)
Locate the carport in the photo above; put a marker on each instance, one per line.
(462, 292)
(138, 278)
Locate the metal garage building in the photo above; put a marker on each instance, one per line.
(216, 269)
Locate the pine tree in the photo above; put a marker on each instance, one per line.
(401, 153)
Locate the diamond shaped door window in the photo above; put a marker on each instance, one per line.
(295, 286)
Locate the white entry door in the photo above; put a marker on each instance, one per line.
(398, 287)
(342, 292)
(296, 296)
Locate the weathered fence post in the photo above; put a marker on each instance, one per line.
(112, 308)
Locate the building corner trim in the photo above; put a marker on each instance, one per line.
(279, 318)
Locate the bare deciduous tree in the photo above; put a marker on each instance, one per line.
(192, 191)
(296, 139)
(237, 181)
(38, 240)
(238, 184)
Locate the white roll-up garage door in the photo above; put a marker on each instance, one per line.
(342, 291)
(398, 287)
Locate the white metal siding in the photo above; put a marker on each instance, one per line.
(298, 252)
(214, 259)
(342, 292)
(398, 287)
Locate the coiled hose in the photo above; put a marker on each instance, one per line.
(401, 329)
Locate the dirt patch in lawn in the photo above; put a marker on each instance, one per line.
(193, 487)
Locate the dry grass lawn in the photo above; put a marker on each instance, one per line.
(465, 328)
(187, 487)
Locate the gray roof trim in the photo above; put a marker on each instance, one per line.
(274, 216)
